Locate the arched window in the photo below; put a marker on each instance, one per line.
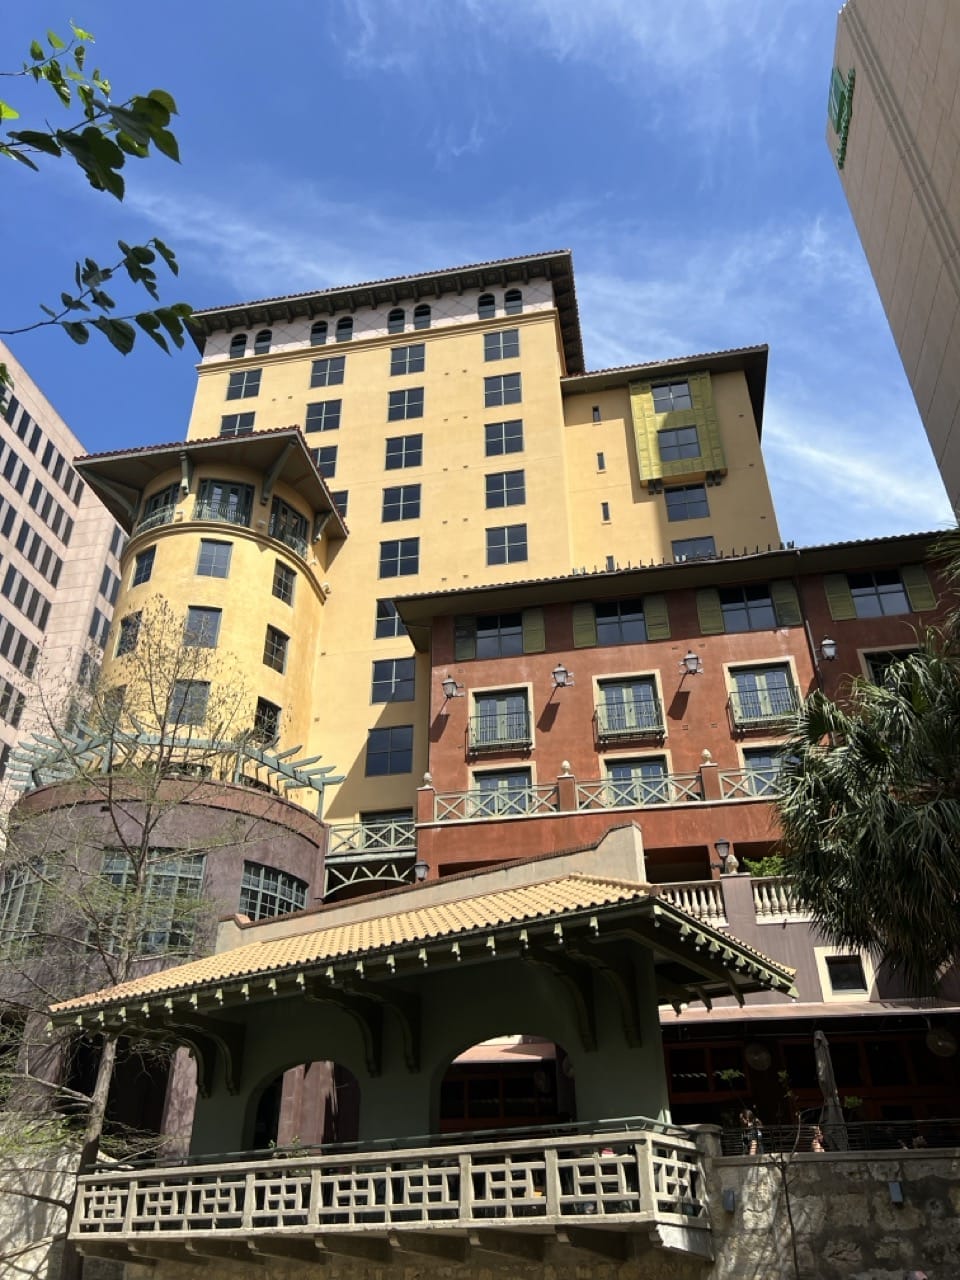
(267, 891)
(396, 320)
(345, 328)
(238, 346)
(486, 306)
(261, 343)
(513, 302)
(318, 333)
(421, 316)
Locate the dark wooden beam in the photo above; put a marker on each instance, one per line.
(431, 1244)
(301, 1250)
(511, 1244)
(605, 1244)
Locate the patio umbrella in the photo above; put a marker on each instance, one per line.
(831, 1116)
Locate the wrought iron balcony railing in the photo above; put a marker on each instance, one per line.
(643, 717)
(224, 512)
(162, 515)
(637, 793)
(296, 541)
(761, 707)
(497, 732)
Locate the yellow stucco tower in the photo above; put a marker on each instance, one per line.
(427, 432)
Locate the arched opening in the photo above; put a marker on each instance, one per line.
(486, 306)
(261, 343)
(138, 1089)
(513, 302)
(238, 346)
(396, 320)
(318, 333)
(508, 1082)
(314, 1104)
(421, 316)
(345, 328)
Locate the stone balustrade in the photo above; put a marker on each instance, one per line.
(701, 898)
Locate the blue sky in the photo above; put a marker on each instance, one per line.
(676, 146)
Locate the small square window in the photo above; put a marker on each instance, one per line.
(340, 499)
(503, 437)
(620, 622)
(747, 609)
(399, 557)
(284, 582)
(327, 372)
(678, 443)
(266, 721)
(502, 345)
(326, 459)
(880, 661)
(405, 404)
(275, 649)
(686, 502)
(323, 415)
(214, 558)
(507, 544)
(202, 627)
(401, 502)
(393, 680)
(409, 359)
(388, 620)
(129, 633)
(389, 751)
(404, 451)
(188, 702)
(143, 567)
(237, 424)
(846, 974)
(503, 388)
(670, 396)
(596, 413)
(878, 594)
(243, 384)
(505, 489)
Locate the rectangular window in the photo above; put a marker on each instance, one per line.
(143, 566)
(327, 372)
(677, 443)
(507, 544)
(503, 345)
(693, 549)
(506, 489)
(629, 708)
(762, 695)
(224, 500)
(326, 459)
(498, 635)
(340, 499)
(878, 594)
(202, 627)
(266, 721)
(266, 892)
(289, 526)
(168, 902)
(503, 437)
(601, 462)
(11, 705)
(243, 384)
(880, 661)
(686, 502)
(284, 582)
(596, 413)
(407, 359)
(404, 451)
(188, 703)
(405, 404)
(501, 794)
(503, 388)
(275, 649)
(388, 621)
(401, 502)
(323, 415)
(237, 424)
(129, 633)
(670, 396)
(214, 558)
(500, 719)
(761, 767)
(109, 585)
(392, 680)
(389, 750)
(846, 974)
(399, 557)
(605, 512)
(747, 609)
(620, 622)
(638, 782)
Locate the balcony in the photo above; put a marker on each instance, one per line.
(222, 512)
(626, 721)
(374, 855)
(749, 784)
(638, 793)
(289, 537)
(502, 731)
(763, 708)
(163, 515)
(701, 898)
(455, 1197)
(515, 802)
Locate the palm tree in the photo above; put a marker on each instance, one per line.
(870, 810)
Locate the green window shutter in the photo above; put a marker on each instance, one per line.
(645, 431)
(708, 427)
(584, 626)
(464, 638)
(838, 596)
(785, 603)
(656, 617)
(534, 636)
(709, 612)
(918, 588)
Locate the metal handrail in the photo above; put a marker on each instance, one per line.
(629, 719)
(227, 512)
(162, 515)
(763, 706)
(501, 729)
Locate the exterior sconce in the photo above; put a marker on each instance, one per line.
(450, 688)
(728, 859)
(691, 664)
(420, 870)
(562, 678)
(828, 649)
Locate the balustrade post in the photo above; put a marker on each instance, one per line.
(566, 790)
(129, 1207)
(551, 1189)
(710, 780)
(465, 1211)
(427, 800)
(316, 1197)
(644, 1157)
(249, 1201)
